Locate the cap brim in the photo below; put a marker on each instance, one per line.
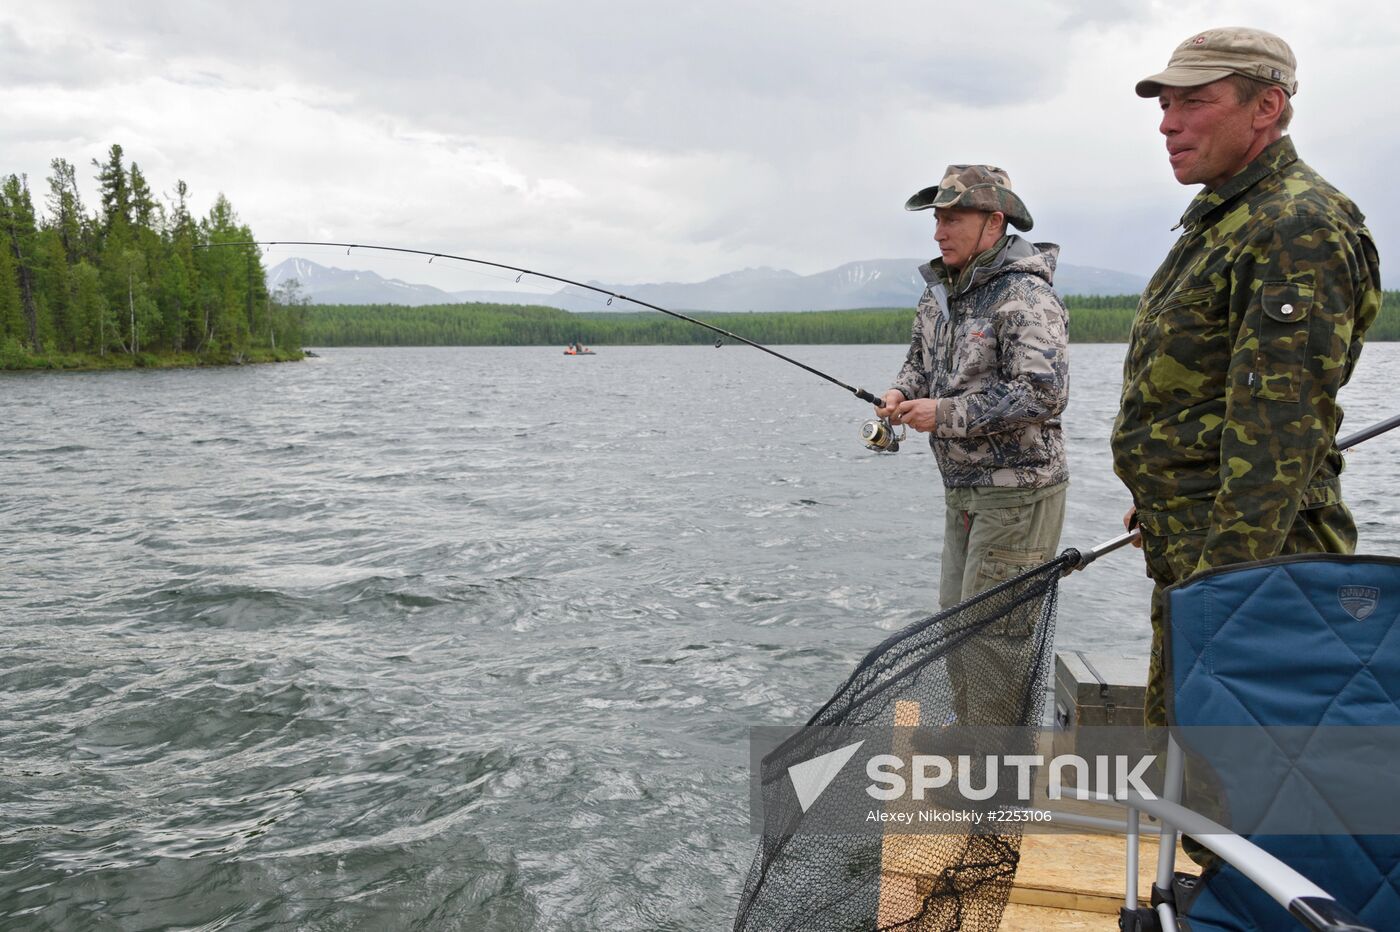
(1180, 76)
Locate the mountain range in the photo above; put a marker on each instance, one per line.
(871, 283)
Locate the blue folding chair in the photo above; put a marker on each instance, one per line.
(1287, 653)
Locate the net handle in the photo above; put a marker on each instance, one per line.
(1078, 559)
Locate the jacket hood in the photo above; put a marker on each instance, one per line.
(1015, 255)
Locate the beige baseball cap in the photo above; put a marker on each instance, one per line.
(1218, 53)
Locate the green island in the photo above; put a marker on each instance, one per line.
(133, 285)
(130, 285)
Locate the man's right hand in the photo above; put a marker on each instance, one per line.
(1130, 522)
(892, 399)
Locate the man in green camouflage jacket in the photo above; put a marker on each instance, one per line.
(986, 377)
(1226, 436)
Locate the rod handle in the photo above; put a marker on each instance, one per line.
(864, 395)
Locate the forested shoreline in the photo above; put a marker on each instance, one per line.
(1093, 319)
(134, 283)
(130, 284)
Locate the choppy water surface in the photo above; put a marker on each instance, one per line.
(463, 638)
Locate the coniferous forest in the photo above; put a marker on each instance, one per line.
(1092, 319)
(130, 282)
(1100, 321)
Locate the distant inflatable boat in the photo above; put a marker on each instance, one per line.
(579, 351)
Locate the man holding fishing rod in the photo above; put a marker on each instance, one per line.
(1226, 436)
(986, 377)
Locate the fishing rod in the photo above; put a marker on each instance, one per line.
(1080, 559)
(860, 393)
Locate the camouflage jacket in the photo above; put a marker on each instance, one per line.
(991, 348)
(1241, 342)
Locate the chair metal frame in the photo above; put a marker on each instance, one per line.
(1313, 907)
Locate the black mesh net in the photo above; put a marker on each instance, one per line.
(986, 661)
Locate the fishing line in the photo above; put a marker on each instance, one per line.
(860, 393)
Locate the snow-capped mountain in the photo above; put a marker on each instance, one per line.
(326, 285)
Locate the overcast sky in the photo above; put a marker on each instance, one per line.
(650, 141)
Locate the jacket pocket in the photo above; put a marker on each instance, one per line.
(974, 353)
(1285, 322)
(1183, 297)
(1189, 311)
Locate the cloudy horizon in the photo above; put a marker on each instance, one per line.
(627, 143)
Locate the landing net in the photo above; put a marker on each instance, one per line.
(986, 661)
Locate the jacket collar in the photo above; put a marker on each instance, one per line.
(1276, 156)
(984, 267)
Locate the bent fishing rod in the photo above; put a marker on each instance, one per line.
(860, 393)
(1077, 559)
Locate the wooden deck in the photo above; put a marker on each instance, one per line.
(1064, 881)
(1073, 882)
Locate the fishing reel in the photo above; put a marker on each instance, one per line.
(878, 434)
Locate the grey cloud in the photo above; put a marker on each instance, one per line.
(674, 76)
(70, 63)
(781, 134)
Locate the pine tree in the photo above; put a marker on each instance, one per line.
(178, 281)
(55, 292)
(233, 285)
(66, 208)
(114, 270)
(17, 223)
(290, 305)
(92, 322)
(116, 193)
(144, 277)
(143, 205)
(138, 316)
(178, 297)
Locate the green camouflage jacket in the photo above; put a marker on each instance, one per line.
(1241, 342)
(991, 348)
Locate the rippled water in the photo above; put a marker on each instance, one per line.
(464, 638)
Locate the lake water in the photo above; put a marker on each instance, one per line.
(466, 638)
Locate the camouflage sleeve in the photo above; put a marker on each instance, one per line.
(1033, 365)
(913, 378)
(1311, 289)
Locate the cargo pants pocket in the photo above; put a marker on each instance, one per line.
(996, 567)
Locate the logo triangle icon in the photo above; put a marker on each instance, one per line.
(811, 778)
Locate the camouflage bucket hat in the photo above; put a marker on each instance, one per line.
(979, 187)
(1218, 53)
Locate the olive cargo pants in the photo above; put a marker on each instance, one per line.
(991, 535)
